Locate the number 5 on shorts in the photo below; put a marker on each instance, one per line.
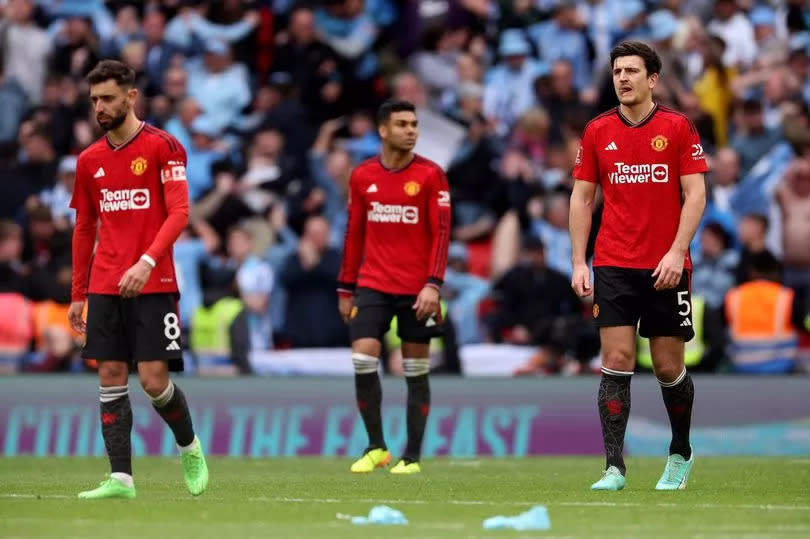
(683, 300)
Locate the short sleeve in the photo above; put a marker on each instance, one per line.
(692, 158)
(586, 166)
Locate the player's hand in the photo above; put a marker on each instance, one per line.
(427, 302)
(134, 279)
(76, 317)
(581, 280)
(345, 306)
(669, 271)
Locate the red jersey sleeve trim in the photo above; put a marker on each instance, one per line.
(440, 225)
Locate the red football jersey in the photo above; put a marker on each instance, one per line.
(639, 168)
(138, 192)
(398, 229)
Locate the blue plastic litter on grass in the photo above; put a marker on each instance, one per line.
(535, 518)
(379, 514)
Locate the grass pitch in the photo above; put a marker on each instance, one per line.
(300, 497)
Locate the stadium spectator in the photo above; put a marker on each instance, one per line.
(218, 84)
(509, 90)
(763, 319)
(464, 293)
(310, 279)
(535, 305)
(793, 197)
(752, 140)
(254, 278)
(25, 49)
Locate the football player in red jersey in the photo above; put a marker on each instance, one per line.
(132, 182)
(650, 164)
(394, 258)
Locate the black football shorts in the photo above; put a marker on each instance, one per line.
(373, 311)
(626, 296)
(143, 328)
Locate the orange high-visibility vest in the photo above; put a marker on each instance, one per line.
(49, 314)
(763, 338)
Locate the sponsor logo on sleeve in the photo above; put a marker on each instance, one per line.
(697, 152)
(174, 173)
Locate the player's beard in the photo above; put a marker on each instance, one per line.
(114, 122)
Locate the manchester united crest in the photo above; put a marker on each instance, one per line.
(659, 143)
(138, 166)
(412, 188)
(595, 310)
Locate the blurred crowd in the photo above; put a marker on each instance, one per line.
(274, 102)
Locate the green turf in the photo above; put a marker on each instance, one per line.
(727, 497)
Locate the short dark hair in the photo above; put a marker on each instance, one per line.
(752, 106)
(718, 230)
(121, 73)
(391, 106)
(765, 265)
(652, 62)
(760, 218)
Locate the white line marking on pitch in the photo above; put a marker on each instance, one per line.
(766, 507)
(564, 504)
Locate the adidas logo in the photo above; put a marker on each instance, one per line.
(173, 346)
(430, 322)
(372, 188)
(99, 173)
(611, 146)
(686, 323)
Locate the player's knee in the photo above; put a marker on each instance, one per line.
(112, 373)
(415, 367)
(153, 385)
(618, 359)
(364, 363)
(669, 373)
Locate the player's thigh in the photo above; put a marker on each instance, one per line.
(106, 334)
(668, 313)
(155, 334)
(412, 330)
(617, 297)
(618, 347)
(371, 315)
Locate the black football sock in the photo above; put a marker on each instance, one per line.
(416, 376)
(368, 392)
(116, 427)
(614, 411)
(678, 398)
(171, 406)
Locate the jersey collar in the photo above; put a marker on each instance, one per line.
(132, 137)
(646, 119)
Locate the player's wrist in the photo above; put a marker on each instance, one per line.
(149, 260)
(345, 289)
